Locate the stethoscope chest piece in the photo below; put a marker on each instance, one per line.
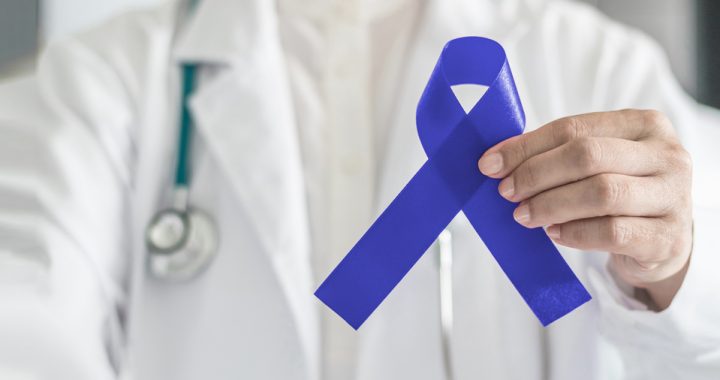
(181, 244)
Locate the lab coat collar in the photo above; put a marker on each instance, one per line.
(244, 113)
(222, 31)
(363, 11)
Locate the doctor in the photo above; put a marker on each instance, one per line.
(302, 131)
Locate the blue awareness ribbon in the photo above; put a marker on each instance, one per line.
(450, 182)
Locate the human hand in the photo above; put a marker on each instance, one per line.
(611, 181)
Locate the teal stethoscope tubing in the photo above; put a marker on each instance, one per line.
(181, 241)
(182, 172)
(189, 75)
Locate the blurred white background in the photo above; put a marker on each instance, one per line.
(26, 25)
(60, 17)
(671, 22)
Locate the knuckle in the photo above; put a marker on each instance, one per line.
(578, 233)
(526, 178)
(569, 128)
(665, 234)
(522, 152)
(680, 157)
(656, 121)
(608, 191)
(618, 233)
(587, 153)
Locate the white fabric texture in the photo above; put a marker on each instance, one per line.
(305, 131)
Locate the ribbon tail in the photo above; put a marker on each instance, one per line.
(406, 229)
(390, 248)
(448, 183)
(527, 256)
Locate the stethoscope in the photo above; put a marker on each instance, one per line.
(181, 240)
(444, 245)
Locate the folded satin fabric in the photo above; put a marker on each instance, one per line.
(449, 182)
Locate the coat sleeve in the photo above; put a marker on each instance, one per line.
(682, 341)
(65, 159)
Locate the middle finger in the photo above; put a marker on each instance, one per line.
(599, 195)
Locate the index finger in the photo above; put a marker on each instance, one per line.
(503, 158)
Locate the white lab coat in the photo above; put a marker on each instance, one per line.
(85, 152)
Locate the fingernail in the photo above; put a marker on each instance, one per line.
(507, 188)
(522, 214)
(553, 232)
(491, 163)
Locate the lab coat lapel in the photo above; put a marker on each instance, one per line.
(245, 116)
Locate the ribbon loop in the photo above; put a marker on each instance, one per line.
(450, 182)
